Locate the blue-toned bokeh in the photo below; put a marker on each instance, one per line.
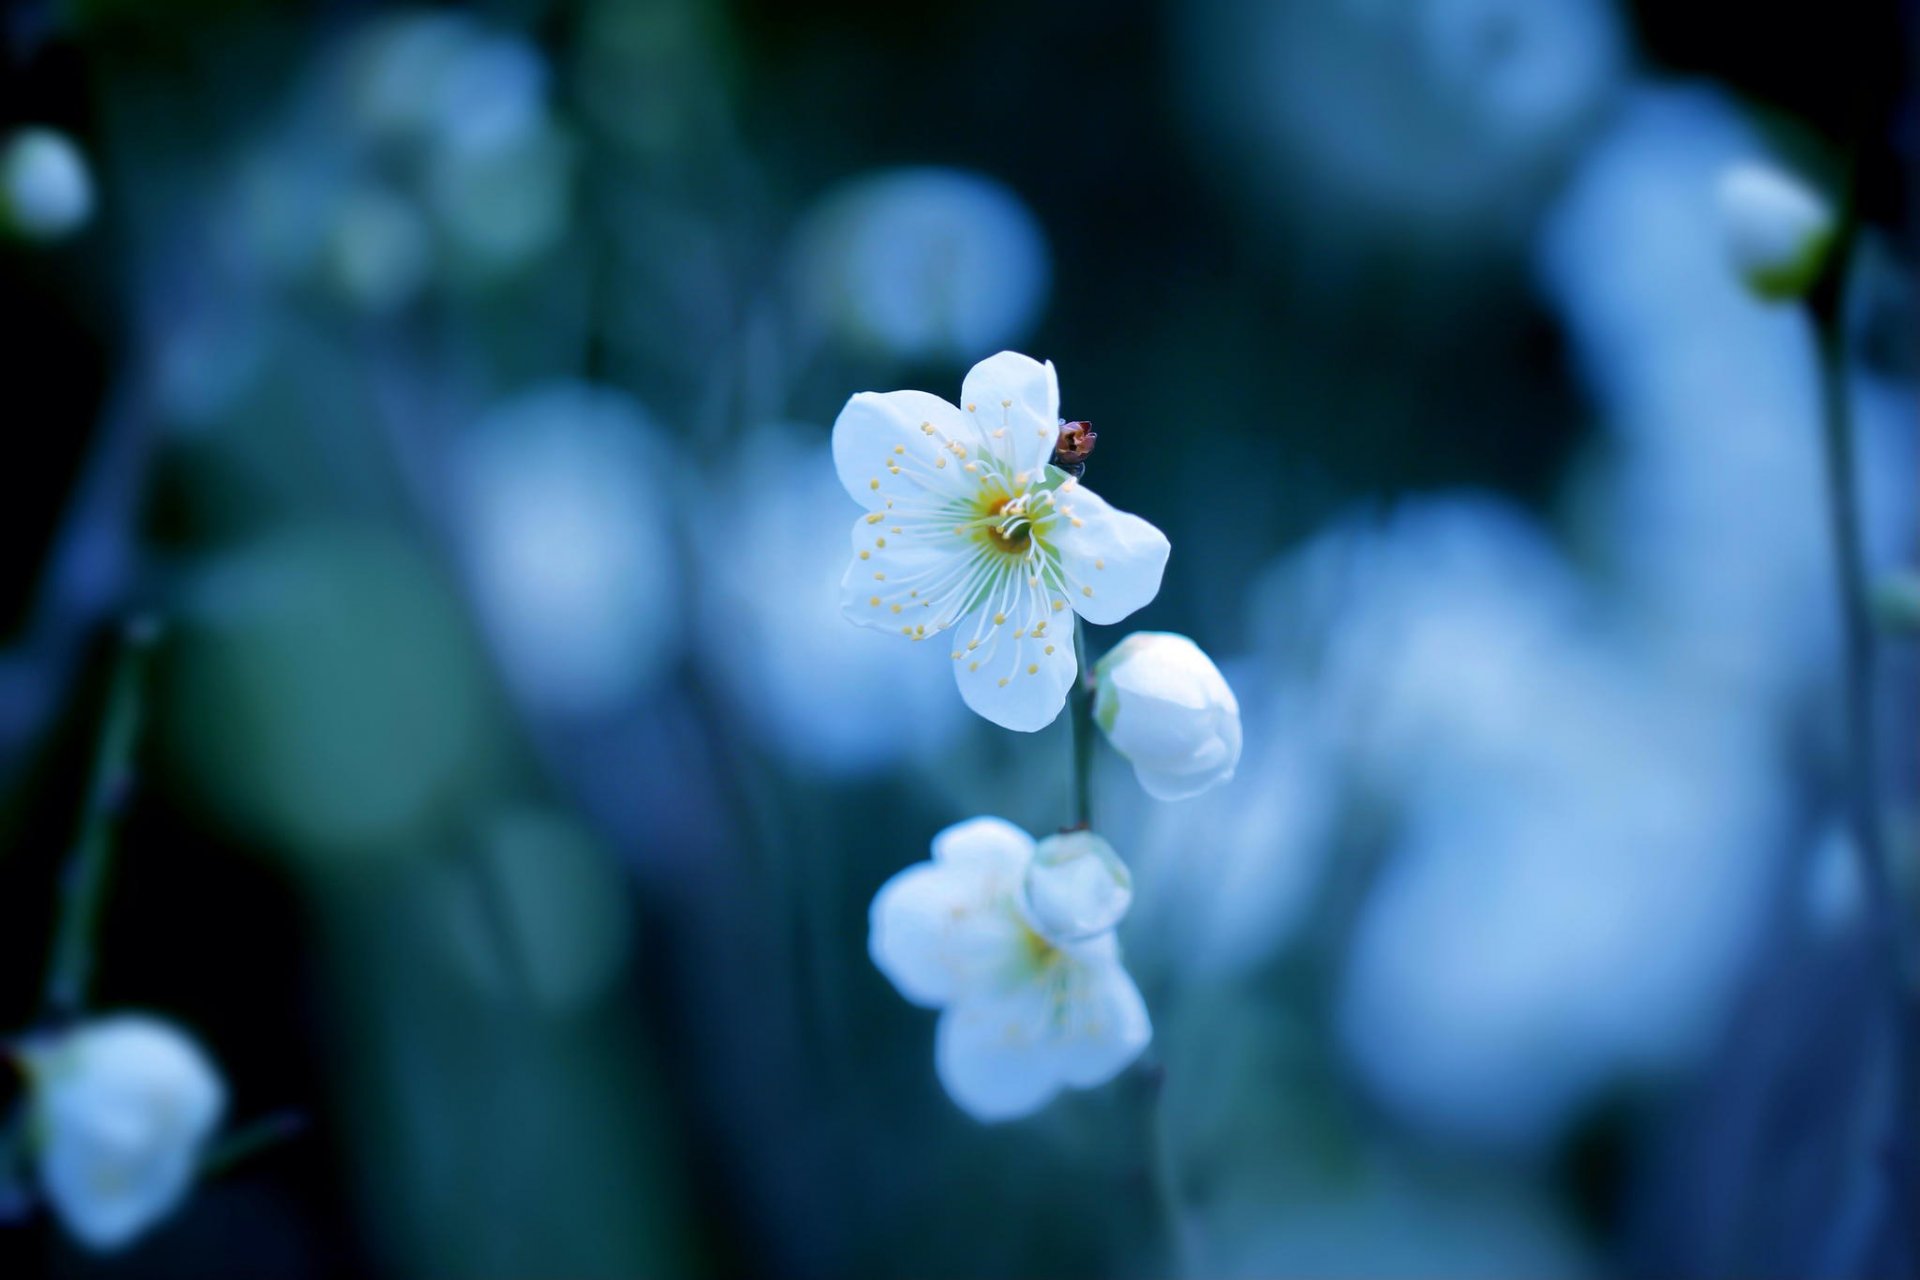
(455, 384)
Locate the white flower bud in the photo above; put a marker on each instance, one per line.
(1166, 708)
(46, 191)
(122, 1108)
(1077, 887)
(1778, 230)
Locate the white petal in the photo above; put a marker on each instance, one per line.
(1103, 1027)
(938, 930)
(1007, 673)
(993, 1056)
(907, 575)
(991, 843)
(879, 431)
(1015, 399)
(1002, 1053)
(1111, 561)
(124, 1106)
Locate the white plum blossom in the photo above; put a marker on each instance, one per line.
(1169, 711)
(971, 529)
(122, 1109)
(1025, 1011)
(1777, 229)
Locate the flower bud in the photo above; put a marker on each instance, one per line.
(122, 1108)
(1778, 230)
(1077, 887)
(1166, 708)
(46, 191)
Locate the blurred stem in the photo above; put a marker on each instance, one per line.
(1176, 1252)
(1082, 713)
(17, 1197)
(493, 898)
(1826, 307)
(1850, 575)
(250, 1140)
(84, 882)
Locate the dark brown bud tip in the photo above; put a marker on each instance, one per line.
(1075, 446)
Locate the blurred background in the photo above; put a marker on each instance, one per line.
(456, 384)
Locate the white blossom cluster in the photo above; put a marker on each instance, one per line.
(973, 537)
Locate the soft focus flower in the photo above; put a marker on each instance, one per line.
(1024, 1012)
(1430, 120)
(923, 262)
(46, 190)
(1706, 508)
(826, 697)
(1577, 836)
(122, 1108)
(1168, 710)
(440, 78)
(570, 553)
(1778, 230)
(969, 527)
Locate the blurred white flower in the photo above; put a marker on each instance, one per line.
(122, 1109)
(1706, 499)
(45, 185)
(1778, 230)
(1435, 121)
(1024, 1014)
(1168, 710)
(970, 527)
(441, 79)
(827, 698)
(570, 553)
(1418, 633)
(1579, 837)
(923, 262)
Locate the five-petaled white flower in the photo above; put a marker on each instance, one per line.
(1014, 943)
(971, 530)
(122, 1108)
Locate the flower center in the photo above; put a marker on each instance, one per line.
(1014, 530)
(1007, 523)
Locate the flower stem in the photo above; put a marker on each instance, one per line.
(84, 882)
(1082, 721)
(1170, 1247)
(1858, 656)
(1827, 310)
